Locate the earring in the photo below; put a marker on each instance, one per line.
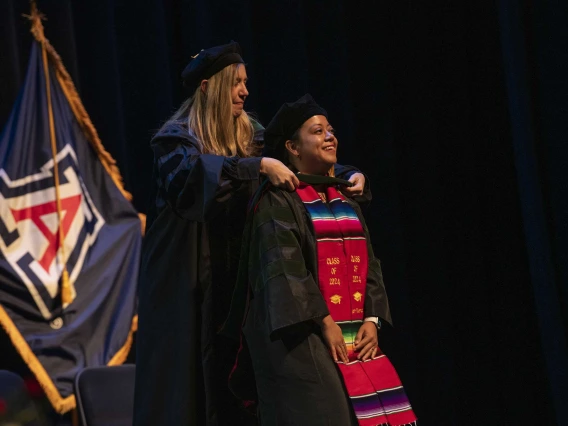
(299, 157)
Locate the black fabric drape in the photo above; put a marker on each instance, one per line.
(424, 97)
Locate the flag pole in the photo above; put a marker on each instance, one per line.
(60, 75)
(67, 291)
(79, 111)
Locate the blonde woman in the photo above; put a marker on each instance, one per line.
(205, 169)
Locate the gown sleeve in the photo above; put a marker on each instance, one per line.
(279, 276)
(197, 184)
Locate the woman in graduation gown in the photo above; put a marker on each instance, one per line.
(205, 171)
(314, 293)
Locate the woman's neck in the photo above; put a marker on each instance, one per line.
(319, 170)
(320, 188)
(322, 195)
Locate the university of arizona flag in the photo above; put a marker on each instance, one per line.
(69, 237)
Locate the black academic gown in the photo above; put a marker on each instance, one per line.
(297, 382)
(188, 268)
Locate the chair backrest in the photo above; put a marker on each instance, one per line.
(16, 405)
(105, 395)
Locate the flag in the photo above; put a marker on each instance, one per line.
(69, 236)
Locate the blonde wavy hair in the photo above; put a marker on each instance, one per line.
(209, 115)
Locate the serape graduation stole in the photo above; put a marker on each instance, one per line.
(373, 386)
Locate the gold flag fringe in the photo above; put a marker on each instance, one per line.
(142, 218)
(72, 96)
(120, 356)
(60, 404)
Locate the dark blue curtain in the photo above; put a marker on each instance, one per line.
(534, 43)
(456, 112)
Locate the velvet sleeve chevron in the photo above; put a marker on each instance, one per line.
(196, 184)
(278, 271)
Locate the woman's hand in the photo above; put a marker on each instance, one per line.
(358, 179)
(334, 339)
(366, 341)
(278, 174)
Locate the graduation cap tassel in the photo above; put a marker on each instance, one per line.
(37, 30)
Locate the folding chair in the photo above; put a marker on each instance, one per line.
(105, 395)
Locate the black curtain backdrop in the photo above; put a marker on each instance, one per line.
(456, 111)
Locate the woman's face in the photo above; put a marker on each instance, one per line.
(239, 90)
(316, 150)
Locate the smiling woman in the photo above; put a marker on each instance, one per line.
(314, 145)
(312, 295)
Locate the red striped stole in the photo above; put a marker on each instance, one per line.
(373, 386)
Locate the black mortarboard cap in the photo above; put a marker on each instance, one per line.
(284, 124)
(209, 62)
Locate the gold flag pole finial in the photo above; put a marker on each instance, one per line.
(66, 84)
(36, 17)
